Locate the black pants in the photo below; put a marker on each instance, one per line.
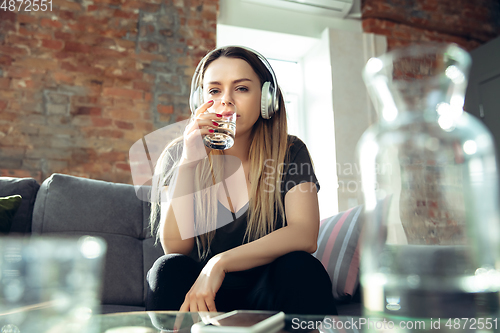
(295, 283)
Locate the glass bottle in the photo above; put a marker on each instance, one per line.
(430, 244)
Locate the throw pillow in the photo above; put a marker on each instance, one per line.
(339, 247)
(8, 208)
(338, 251)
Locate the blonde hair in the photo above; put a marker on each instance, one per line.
(267, 154)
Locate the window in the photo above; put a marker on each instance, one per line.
(289, 77)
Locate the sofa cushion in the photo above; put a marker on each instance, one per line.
(338, 251)
(79, 206)
(27, 188)
(8, 208)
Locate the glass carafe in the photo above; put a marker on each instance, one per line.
(430, 245)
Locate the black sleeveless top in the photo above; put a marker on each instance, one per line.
(297, 169)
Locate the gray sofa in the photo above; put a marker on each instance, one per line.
(68, 205)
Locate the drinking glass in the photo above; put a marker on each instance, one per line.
(50, 284)
(223, 136)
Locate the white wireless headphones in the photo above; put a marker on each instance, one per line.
(269, 103)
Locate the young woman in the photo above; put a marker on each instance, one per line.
(262, 259)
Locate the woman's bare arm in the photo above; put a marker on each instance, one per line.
(177, 217)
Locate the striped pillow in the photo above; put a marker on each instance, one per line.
(338, 251)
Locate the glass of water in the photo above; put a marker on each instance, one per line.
(223, 136)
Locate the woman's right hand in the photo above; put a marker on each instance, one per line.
(199, 126)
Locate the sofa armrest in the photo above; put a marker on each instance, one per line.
(27, 188)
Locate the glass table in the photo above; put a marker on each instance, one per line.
(164, 321)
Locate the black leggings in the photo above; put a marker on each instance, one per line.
(294, 283)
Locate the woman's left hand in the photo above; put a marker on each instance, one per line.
(201, 296)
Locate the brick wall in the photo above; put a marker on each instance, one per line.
(469, 23)
(81, 83)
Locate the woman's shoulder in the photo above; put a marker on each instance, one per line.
(294, 145)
